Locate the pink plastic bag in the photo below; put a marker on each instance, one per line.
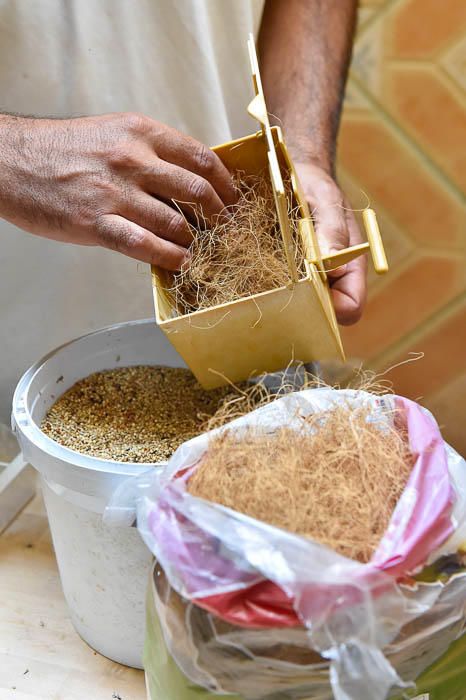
(254, 574)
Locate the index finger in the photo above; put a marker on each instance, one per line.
(184, 151)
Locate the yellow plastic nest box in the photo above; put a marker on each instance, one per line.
(267, 331)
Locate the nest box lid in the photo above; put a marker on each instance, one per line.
(258, 109)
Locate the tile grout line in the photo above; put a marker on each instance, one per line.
(388, 7)
(436, 67)
(410, 143)
(460, 93)
(378, 14)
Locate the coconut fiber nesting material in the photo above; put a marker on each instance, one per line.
(241, 254)
(336, 480)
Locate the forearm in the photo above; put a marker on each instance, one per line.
(305, 50)
(21, 170)
(10, 140)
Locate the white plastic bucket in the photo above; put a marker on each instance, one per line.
(103, 569)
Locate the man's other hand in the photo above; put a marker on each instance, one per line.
(336, 228)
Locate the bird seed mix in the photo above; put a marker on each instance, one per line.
(132, 414)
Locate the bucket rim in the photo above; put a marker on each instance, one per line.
(22, 421)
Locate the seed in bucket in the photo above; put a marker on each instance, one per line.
(132, 414)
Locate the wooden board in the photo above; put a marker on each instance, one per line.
(16, 495)
(41, 656)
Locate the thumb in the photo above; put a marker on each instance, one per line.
(332, 231)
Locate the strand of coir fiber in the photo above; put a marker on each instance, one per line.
(241, 254)
(336, 480)
(245, 397)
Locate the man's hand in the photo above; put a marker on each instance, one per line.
(336, 228)
(109, 181)
(305, 51)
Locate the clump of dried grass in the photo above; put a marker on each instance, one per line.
(241, 254)
(336, 480)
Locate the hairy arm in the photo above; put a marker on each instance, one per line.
(305, 50)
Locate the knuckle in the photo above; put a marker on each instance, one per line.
(169, 259)
(205, 159)
(150, 172)
(352, 314)
(128, 239)
(175, 227)
(123, 155)
(332, 237)
(328, 191)
(339, 235)
(107, 191)
(135, 121)
(105, 235)
(84, 216)
(120, 239)
(199, 189)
